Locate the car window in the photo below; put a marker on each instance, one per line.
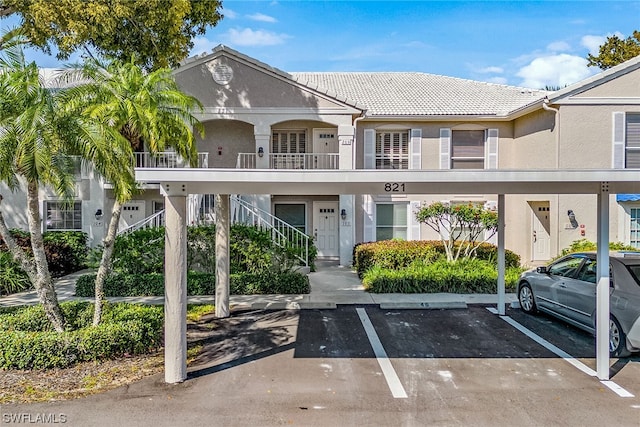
(588, 271)
(635, 272)
(566, 267)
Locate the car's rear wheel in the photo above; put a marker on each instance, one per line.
(617, 339)
(525, 297)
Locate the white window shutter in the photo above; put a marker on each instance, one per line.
(413, 232)
(369, 149)
(618, 140)
(415, 149)
(491, 161)
(445, 148)
(368, 206)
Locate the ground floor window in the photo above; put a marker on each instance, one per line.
(635, 228)
(63, 215)
(293, 214)
(391, 221)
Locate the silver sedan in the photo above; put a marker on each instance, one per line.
(567, 289)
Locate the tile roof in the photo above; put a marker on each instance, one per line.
(420, 94)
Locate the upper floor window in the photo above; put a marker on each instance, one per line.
(63, 216)
(288, 141)
(392, 149)
(467, 149)
(632, 141)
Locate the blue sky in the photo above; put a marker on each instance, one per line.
(519, 43)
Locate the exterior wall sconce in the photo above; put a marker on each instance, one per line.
(343, 214)
(99, 214)
(260, 151)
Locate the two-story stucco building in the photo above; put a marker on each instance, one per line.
(259, 117)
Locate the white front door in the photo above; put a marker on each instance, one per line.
(325, 142)
(540, 235)
(132, 212)
(325, 228)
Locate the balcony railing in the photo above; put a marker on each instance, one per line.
(291, 161)
(167, 159)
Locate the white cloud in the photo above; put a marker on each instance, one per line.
(202, 45)
(260, 17)
(497, 80)
(558, 46)
(249, 37)
(229, 14)
(593, 43)
(491, 70)
(554, 70)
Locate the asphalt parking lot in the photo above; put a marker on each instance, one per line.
(364, 366)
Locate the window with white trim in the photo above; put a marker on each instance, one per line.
(391, 221)
(467, 149)
(392, 149)
(63, 215)
(288, 141)
(293, 214)
(632, 141)
(634, 228)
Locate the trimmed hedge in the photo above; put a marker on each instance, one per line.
(152, 284)
(395, 254)
(464, 276)
(28, 342)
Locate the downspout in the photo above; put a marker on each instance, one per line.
(556, 118)
(355, 129)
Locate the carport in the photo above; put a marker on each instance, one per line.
(177, 184)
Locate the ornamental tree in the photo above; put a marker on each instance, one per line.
(462, 228)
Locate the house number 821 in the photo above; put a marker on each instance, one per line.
(394, 187)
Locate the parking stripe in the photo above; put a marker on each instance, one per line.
(397, 390)
(563, 354)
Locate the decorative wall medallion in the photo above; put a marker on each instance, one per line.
(221, 73)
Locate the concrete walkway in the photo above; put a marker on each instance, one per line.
(330, 285)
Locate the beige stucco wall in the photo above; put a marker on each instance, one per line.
(249, 88)
(232, 136)
(624, 86)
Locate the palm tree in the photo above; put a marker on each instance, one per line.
(33, 153)
(145, 109)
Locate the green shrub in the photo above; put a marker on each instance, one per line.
(464, 276)
(139, 252)
(395, 254)
(584, 245)
(12, 278)
(27, 341)
(251, 250)
(152, 284)
(65, 250)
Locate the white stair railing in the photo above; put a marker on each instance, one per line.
(153, 221)
(283, 234)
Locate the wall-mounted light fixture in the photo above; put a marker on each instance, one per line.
(572, 218)
(99, 214)
(260, 151)
(343, 214)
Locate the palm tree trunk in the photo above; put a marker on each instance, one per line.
(105, 262)
(43, 283)
(16, 251)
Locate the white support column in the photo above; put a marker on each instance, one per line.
(603, 283)
(501, 256)
(347, 229)
(175, 284)
(347, 236)
(222, 255)
(262, 141)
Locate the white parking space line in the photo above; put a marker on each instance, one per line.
(563, 354)
(397, 390)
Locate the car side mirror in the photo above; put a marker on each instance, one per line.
(542, 270)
